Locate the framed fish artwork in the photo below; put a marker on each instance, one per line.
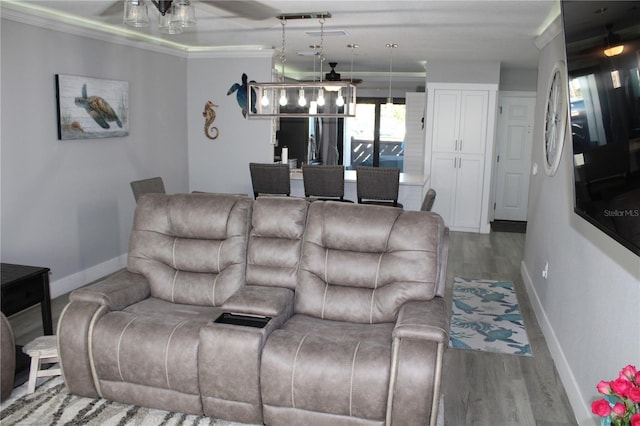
(91, 108)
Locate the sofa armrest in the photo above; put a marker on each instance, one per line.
(419, 340)
(261, 300)
(116, 292)
(423, 320)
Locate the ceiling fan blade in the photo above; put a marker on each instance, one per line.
(116, 8)
(249, 9)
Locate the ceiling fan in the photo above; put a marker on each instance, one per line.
(248, 9)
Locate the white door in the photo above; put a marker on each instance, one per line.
(473, 122)
(515, 137)
(469, 180)
(446, 120)
(443, 180)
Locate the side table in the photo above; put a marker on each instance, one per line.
(25, 286)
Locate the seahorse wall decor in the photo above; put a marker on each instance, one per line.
(209, 116)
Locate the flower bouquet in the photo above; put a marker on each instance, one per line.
(621, 403)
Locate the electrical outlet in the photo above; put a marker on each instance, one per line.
(545, 271)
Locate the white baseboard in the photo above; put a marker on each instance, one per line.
(580, 408)
(77, 280)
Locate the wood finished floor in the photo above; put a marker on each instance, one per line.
(483, 389)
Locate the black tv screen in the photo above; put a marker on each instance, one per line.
(602, 40)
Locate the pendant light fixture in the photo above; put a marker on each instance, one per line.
(390, 46)
(311, 98)
(352, 46)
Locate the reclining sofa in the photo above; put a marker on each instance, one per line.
(275, 311)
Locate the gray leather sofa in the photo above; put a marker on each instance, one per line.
(357, 330)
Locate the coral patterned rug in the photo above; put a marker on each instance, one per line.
(485, 316)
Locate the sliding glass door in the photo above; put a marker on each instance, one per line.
(375, 136)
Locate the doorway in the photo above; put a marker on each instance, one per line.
(513, 155)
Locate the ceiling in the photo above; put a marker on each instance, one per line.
(425, 30)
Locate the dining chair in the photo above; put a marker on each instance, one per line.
(378, 185)
(429, 198)
(323, 182)
(147, 186)
(270, 178)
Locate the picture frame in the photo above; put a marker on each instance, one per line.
(91, 108)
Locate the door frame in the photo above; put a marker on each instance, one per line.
(494, 164)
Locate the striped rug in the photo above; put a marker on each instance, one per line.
(51, 404)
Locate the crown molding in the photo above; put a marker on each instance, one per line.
(549, 33)
(43, 18)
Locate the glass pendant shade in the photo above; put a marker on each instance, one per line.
(166, 24)
(320, 97)
(136, 13)
(340, 99)
(614, 51)
(183, 13)
(302, 101)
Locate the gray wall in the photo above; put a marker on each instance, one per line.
(222, 165)
(67, 204)
(588, 306)
(476, 72)
(524, 80)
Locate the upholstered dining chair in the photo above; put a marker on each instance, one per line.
(378, 185)
(323, 182)
(429, 198)
(153, 185)
(270, 179)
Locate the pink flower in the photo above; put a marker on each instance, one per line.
(629, 372)
(619, 409)
(634, 394)
(620, 387)
(635, 419)
(601, 408)
(637, 379)
(604, 388)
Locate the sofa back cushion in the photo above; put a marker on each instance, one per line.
(191, 247)
(360, 263)
(275, 241)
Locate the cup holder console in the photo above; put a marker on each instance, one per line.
(248, 320)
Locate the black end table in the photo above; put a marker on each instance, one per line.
(23, 287)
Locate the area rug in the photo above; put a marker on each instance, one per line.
(485, 316)
(52, 404)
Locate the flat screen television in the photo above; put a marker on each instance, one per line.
(602, 40)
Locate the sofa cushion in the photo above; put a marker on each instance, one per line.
(327, 366)
(275, 241)
(152, 343)
(362, 263)
(191, 247)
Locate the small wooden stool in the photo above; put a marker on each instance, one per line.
(43, 349)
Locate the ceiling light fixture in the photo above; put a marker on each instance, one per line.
(174, 16)
(614, 48)
(390, 46)
(614, 51)
(318, 104)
